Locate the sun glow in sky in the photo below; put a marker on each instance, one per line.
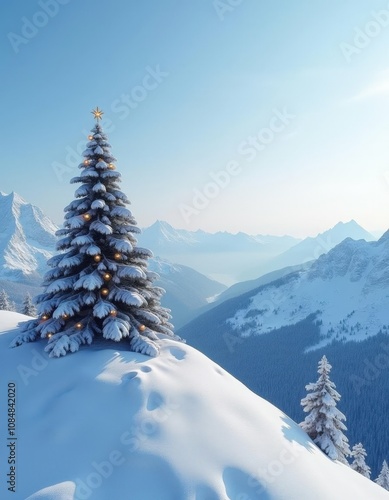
(256, 116)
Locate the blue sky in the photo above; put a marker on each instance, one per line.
(193, 91)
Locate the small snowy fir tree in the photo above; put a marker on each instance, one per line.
(358, 464)
(5, 303)
(323, 424)
(28, 307)
(99, 284)
(383, 478)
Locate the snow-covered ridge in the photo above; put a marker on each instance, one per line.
(163, 236)
(347, 289)
(106, 423)
(27, 238)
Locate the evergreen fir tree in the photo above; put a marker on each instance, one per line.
(99, 284)
(5, 303)
(28, 307)
(358, 464)
(383, 478)
(323, 424)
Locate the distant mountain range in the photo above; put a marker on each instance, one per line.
(311, 248)
(347, 289)
(186, 289)
(232, 258)
(222, 256)
(27, 240)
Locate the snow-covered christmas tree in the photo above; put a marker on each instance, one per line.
(324, 422)
(383, 478)
(358, 464)
(99, 284)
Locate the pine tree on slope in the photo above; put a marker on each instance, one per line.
(99, 285)
(28, 307)
(323, 424)
(5, 302)
(358, 453)
(383, 478)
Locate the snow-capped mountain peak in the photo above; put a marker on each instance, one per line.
(312, 247)
(27, 238)
(347, 289)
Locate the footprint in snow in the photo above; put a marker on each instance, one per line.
(154, 401)
(132, 378)
(145, 369)
(178, 353)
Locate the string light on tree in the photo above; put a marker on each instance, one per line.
(78, 326)
(111, 166)
(45, 317)
(117, 256)
(113, 312)
(97, 258)
(86, 162)
(49, 335)
(87, 217)
(107, 276)
(142, 328)
(90, 137)
(104, 292)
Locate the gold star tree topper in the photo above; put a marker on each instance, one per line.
(97, 113)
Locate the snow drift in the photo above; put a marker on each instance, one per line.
(109, 424)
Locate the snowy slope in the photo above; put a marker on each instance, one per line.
(106, 424)
(27, 239)
(348, 288)
(311, 248)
